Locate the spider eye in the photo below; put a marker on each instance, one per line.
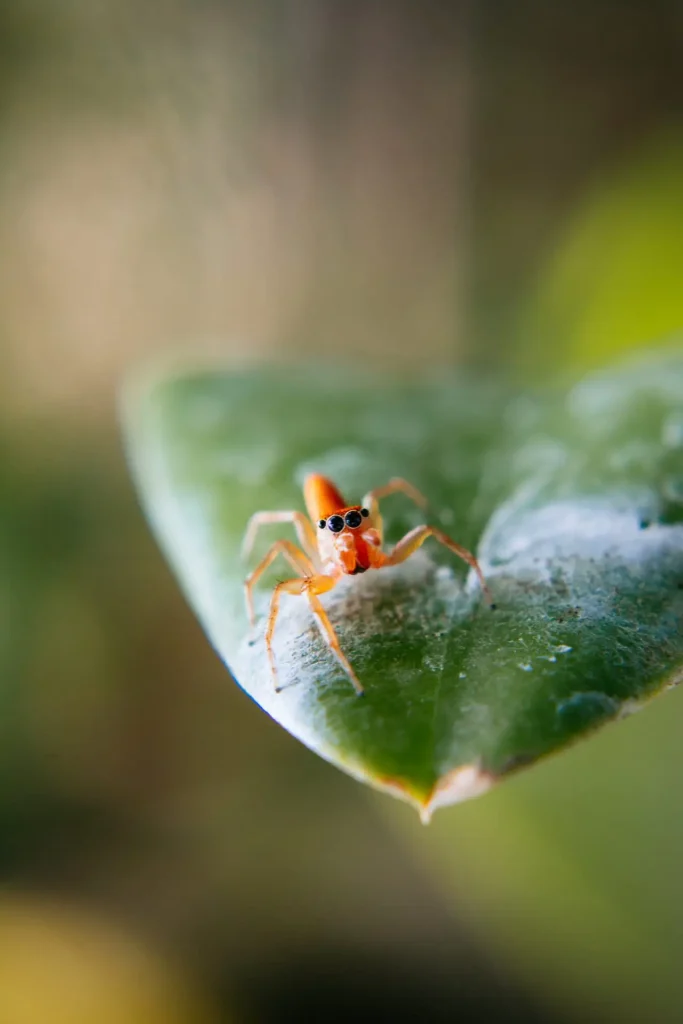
(322, 523)
(335, 524)
(365, 513)
(353, 519)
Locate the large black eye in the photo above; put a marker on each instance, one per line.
(335, 523)
(353, 519)
(322, 523)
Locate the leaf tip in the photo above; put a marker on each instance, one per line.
(462, 783)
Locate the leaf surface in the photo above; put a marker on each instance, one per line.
(573, 504)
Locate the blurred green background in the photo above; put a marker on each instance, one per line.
(498, 186)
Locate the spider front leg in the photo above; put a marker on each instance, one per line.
(311, 587)
(304, 530)
(416, 538)
(396, 484)
(299, 562)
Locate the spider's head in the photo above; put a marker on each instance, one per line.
(346, 519)
(340, 538)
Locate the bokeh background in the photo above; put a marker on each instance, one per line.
(493, 185)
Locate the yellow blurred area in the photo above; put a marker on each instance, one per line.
(61, 965)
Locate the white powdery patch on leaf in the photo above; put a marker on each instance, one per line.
(582, 528)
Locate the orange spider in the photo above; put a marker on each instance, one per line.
(347, 541)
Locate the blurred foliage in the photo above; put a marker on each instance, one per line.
(614, 282)
(566, 98)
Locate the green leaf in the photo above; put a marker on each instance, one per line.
(573, 503)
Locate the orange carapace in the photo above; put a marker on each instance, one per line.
(336, 540)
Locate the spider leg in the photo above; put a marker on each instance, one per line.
(286, 587)
(303, 527)
(416, 538)
(311, 587)
(396, 484)
(329, 634)
(299, 562)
